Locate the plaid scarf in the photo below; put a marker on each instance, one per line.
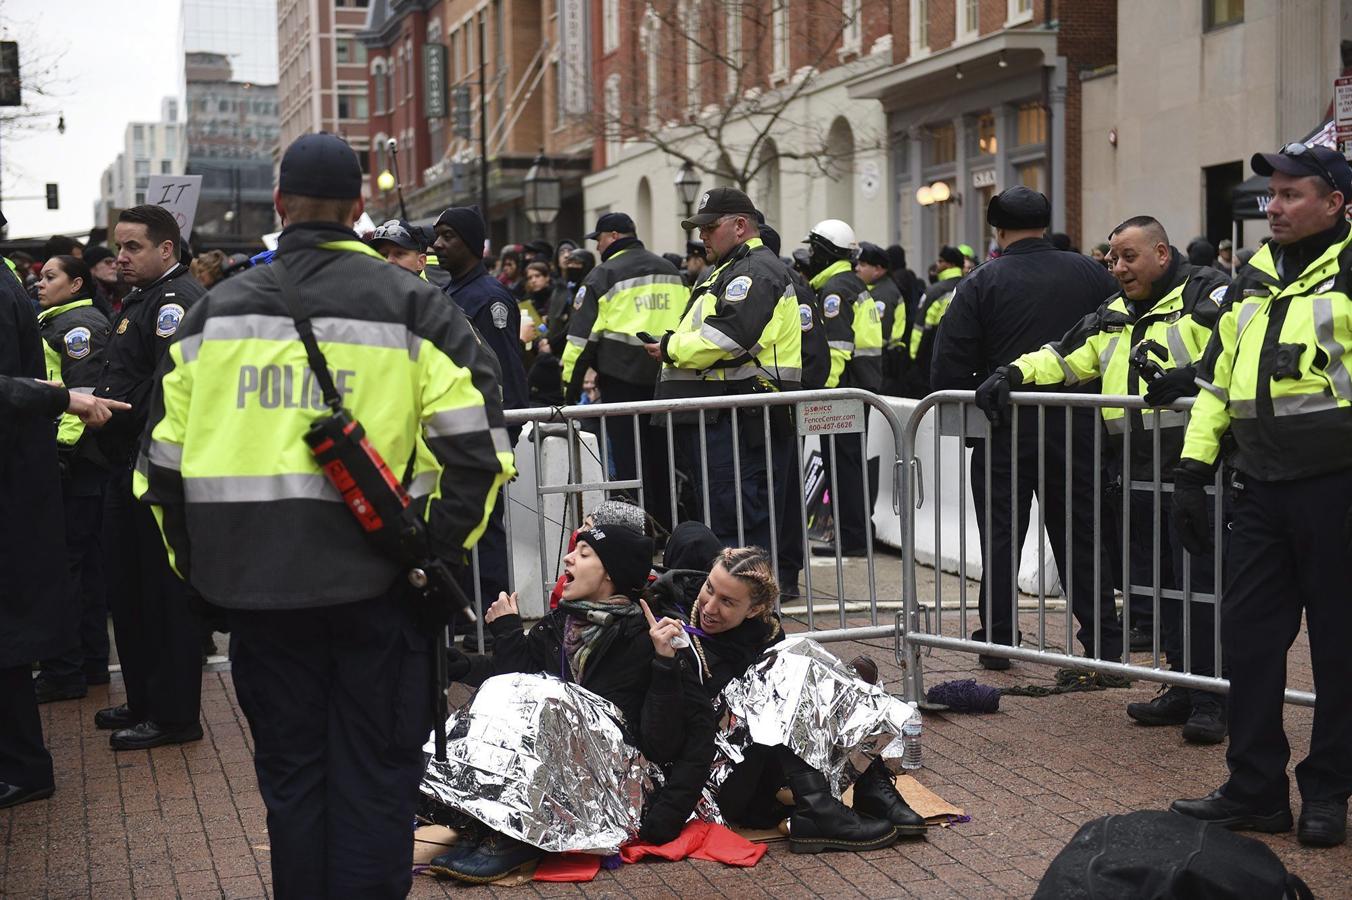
(589, 627)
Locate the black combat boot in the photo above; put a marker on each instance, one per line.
(820, 822)
(876, 796)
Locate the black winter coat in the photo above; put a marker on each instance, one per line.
(667, 713)
(35, 603)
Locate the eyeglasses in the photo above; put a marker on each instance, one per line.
(1296, 150)
(715, 225)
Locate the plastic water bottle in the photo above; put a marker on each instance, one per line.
(910, 740)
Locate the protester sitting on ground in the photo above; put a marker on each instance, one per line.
(597, 639)
(734, 622)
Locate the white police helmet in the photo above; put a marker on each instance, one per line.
(834, 236)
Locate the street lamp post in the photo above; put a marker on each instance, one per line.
(398, 184)
(687, 188)
(542, 200)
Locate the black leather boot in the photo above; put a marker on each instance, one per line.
(821, 823)
(876, 796)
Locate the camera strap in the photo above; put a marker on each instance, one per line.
(318, 364)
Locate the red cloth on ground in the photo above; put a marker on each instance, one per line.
(700, 840)
(568, 867)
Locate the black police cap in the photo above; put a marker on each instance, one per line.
(1304, 160)
(615, 221)
(320, 165)
(718, 202)
(872, 254)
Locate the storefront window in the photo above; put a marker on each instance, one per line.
(1032, 175)
(983, 135)
(1031, 125)
(941, 144)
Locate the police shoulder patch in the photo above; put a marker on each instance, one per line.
(499, 312)
(831, 306)
(581, 295)
(737, 289)
(1218, 295)
(805, 316)
(166, 323)
(77, 342)
(882, 307)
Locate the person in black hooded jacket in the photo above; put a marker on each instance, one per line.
(596, 638)
(732, 623)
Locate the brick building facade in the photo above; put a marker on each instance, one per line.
(983, 94)
(414, 45)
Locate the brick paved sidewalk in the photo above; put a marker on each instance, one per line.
(188, 821)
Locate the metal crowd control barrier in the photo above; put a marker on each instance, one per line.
(957, 424)
(564, 461)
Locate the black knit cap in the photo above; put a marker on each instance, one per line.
(466, 222)
(952, 255)
(320, 165)
(626, 554)
(1019, 208)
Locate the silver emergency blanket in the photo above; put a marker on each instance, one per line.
(800, 695)
(545, 762)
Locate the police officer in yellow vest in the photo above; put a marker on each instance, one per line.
(916, 338)
(854, 334)
(329, 660)
(741, 334)
(74, 334)
(1276, 379)
(632, 290)
(1166, 310)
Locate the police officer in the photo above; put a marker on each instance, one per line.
(873, 268)
(788, 475)
(916, 337)
(155, 622)
(632, 290)
(492, 310)
(854, 334)
(741, 334)
(398, 242)
(1029, 296)
(1275, 378)
(74, 334)
(696, 266)
(1166, 308)
(330, 661)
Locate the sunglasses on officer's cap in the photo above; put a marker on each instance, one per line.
(1300, 150)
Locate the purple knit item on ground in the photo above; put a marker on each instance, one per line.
(965, 696)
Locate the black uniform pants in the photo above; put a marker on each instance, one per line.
(1141, 604)
(1289, 552)
(728, 474)
(787, 484)
(155, 621)
(1000, 565)
(24, 760)
(339, 701)
(624, 450)
(88, 649)
(850, 510)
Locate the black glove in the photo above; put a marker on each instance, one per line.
(993, 395)
(1188, 518)
(1176, 383)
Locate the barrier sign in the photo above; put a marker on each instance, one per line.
(1342, 101)
(831, 417)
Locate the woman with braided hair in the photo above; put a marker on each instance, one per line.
(732, 621)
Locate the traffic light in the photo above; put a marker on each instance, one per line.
(53, 202)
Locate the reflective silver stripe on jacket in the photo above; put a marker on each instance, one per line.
(1294, 405)
(361, 332)
(1162, 419)
(166, 455)
(1323, 330)
(450, 422)
(734, 373)
(268, 488)
(1178, 349)
(720, 339)
(1106, 356)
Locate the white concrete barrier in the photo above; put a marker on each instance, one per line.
(950, 505)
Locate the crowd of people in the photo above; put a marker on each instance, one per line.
(179, 419)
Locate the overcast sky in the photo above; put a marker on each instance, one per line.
(117, 61)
